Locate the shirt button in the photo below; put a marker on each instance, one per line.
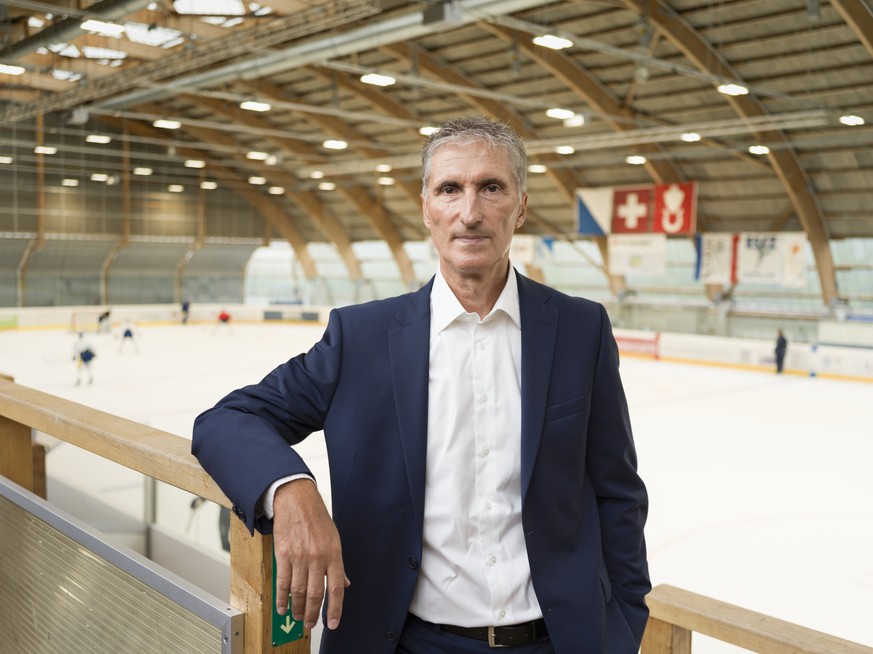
(487, 506)
(503, 614)
(493, 559)
(483, 399)
(486, 452)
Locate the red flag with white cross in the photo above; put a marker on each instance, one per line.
(631, 208)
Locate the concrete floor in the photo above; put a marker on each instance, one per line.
(760, 485)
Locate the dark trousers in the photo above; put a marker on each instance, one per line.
(420, 637)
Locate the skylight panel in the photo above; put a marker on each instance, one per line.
(91, 52)
(65, 50)
(66, 75)
(210, 7)
(155, 36)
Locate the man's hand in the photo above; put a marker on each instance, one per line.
(308, 549)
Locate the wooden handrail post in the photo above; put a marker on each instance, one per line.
(16, 453)
(251, 590)
(665, 638)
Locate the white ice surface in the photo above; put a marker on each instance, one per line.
(760, 486)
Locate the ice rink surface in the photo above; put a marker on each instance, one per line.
(760, 485)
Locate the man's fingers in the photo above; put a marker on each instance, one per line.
(337, 582)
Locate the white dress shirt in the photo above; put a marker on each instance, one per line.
(474, 566)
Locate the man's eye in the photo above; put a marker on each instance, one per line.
(492, 188)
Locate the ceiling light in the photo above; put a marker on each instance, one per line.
(384, 168)
(276, 190)
(560, 114)
(195, 163)
(208, 185)
(317, 174)
(386, 181)
(272, 160)
(335, 144)
(851, 120)
(326, 186)
(635, 160)
(9, 69)
(107, 29)
(98, 138)
(254, 155)
(576, 120)
(427, 130)
(5, 160)
(175, 188)
(565, 149)
(167, 124)
(690, 137)
(142, 171)
(378, 80)
(254, 105)
(732, 89)
(536, 168)
(69, 182)
(35, 22)
(256, 180)
(553, 42)
(45, 149)
(759, 149)
(99, 177)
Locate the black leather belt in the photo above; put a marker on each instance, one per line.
(517, 634)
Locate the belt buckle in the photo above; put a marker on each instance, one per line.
(492, 640)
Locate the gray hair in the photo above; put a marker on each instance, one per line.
(461, 131)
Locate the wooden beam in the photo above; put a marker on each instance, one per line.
(155, 453)
(741, 627)
(858, 15)
(251, 590)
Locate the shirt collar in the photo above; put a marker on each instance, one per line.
(445, 307)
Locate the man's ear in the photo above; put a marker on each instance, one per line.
(424, 215)
(522, 212)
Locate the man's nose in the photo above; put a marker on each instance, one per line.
(470, 211)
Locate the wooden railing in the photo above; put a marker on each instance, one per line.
(158, 454)
(676, 613)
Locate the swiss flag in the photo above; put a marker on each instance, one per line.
(631, 209)
(675, 208)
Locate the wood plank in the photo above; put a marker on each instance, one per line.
(153, 452)
(16, 457)
(251, 590)
(748, 629)
(665, 638)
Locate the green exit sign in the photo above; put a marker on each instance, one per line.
(285, 628)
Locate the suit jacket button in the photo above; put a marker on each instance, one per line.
(412, 563)
(391, 635)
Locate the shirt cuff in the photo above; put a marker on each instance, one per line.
(266, 503)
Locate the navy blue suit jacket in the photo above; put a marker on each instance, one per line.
(366, 385)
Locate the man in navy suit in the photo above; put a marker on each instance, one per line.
(482, 467)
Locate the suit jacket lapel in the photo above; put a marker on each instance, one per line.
(409, 350)
(539, 327)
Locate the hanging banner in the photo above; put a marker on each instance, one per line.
(663, 209)
(631, 210)
(772, 258)
(637, 253)
(594, 211)
(675, 208)
(794, 259)
(716, 258)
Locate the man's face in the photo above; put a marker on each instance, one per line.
(472, 208)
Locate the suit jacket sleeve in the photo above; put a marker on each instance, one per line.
(244, 441)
